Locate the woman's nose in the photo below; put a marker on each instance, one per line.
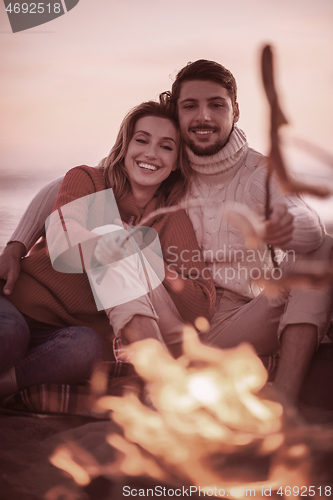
(151, 151)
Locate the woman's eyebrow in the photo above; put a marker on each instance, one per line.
(149, 135)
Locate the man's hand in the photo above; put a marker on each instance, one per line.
(10, 264)
(280, 225)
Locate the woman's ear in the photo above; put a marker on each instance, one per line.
(174, 167)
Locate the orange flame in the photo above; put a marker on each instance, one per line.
(203, 410)
(204, 403)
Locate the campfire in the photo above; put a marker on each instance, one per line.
(203, 423)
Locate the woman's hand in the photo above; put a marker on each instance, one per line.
(109, 249)
(10, 267)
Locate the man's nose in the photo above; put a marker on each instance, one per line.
(203, 114)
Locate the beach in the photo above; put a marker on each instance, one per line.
(16, 192)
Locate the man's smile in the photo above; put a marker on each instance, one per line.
(203, 132)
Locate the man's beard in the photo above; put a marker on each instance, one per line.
(210, 150)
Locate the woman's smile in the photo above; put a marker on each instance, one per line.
(147, 166)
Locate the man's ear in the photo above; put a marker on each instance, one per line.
(236, 112)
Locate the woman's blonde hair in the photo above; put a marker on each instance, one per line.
(175, 186)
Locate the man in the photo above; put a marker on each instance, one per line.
(226, 171)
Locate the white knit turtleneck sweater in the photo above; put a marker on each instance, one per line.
(237, 174)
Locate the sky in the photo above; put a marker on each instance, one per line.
(66, 85)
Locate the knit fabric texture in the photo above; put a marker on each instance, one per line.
(237, 175)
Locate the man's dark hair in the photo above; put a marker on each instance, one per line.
(206, 71)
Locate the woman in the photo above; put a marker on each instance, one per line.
(58, 334)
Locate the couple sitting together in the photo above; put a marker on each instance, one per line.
(184, 147)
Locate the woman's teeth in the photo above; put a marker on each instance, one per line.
(147, 166)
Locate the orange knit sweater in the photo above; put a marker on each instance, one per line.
(66, 299)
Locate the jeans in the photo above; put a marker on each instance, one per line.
(55, 355)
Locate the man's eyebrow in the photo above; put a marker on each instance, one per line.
(189, 99)
(218, 97)
(214, 98)
(149, 135)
